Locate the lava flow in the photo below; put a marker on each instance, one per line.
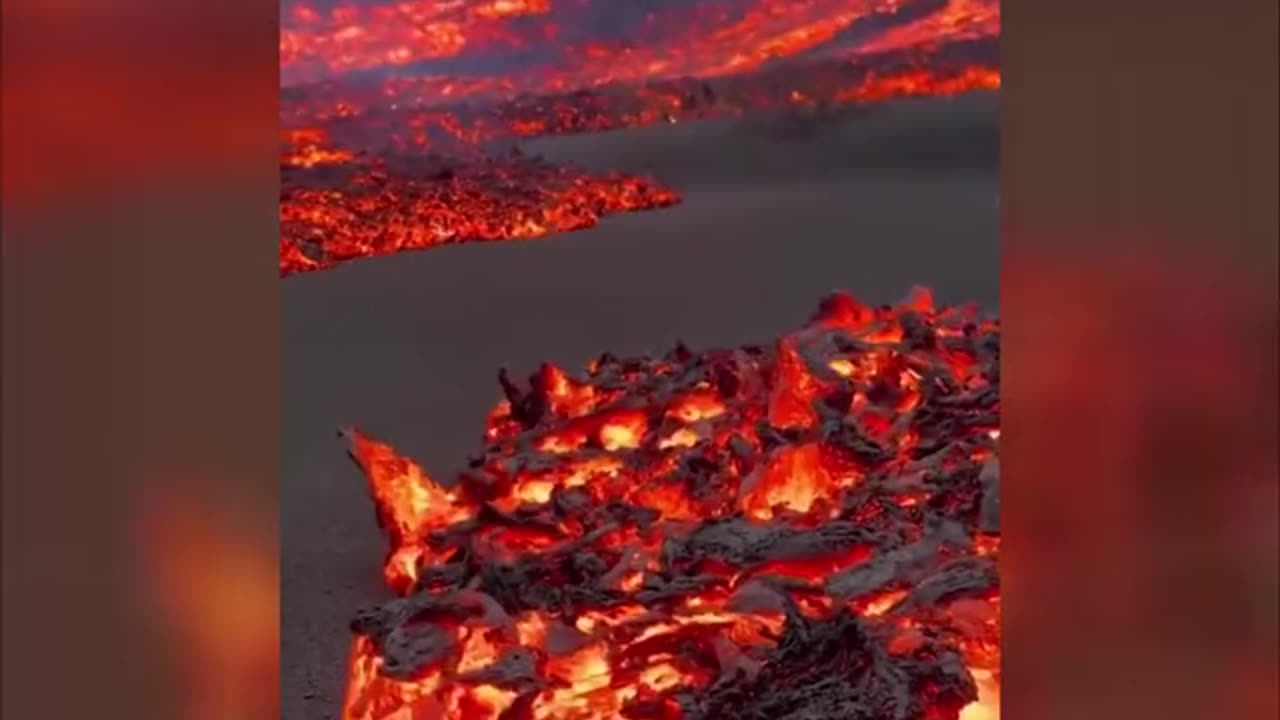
(564, 45)
(800, 531)
(336, 205)
(389, 145)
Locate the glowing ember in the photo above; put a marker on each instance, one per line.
(812, 547)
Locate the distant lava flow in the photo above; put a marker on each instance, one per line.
(564, 45)
(370, 205)
(806, 530)
(400, 118)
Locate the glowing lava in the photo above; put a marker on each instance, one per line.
(419, 155)
(813, 547)
(379, 207)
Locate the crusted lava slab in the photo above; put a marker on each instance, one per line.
(802, 530)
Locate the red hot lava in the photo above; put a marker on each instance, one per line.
(337, 206)
(565, 45)
(418, 156)
(801, 531)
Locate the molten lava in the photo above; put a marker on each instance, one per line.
(800, 531)
(564, 45)
(335, 206)
(418, 153)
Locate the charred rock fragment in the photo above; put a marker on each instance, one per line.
(990, 522)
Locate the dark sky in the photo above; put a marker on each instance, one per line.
(407, 347)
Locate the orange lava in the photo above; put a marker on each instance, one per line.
(425, 202)
(579, 487)
(664, 40)
(357, 36)
(414, 156)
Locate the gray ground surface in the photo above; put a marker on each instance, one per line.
(407, 347)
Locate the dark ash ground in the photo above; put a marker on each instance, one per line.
(775, 215)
